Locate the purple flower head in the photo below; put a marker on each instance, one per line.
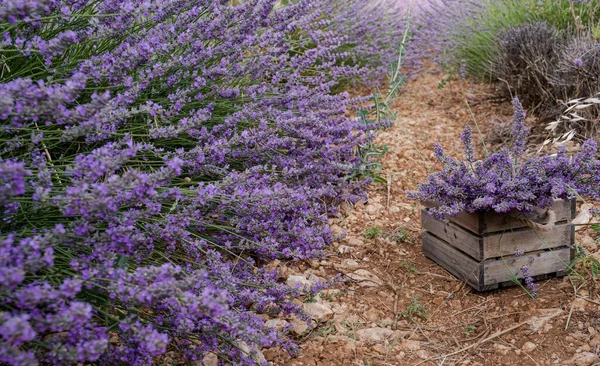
(578, 62)
(519, 131)
(467, 139)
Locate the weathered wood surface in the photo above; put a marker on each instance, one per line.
(495, 272)
(454, 261)
(481, 247)
(489, 221)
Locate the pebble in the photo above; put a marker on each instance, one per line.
(374, 209)
(410, 345)
(210, 359)
(589, 243)
(318, 311)
(375, 334)
(529, 346)
(344, 249)
(583, 359)
(298, 326)
(365, 278)
(299, 281)
(278, 324)
(355, 242)
(350, 264)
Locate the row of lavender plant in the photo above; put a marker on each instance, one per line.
(155, 153)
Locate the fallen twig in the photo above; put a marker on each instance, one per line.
(493, 336)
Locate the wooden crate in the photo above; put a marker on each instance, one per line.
(480, 248)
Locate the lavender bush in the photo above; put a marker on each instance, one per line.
(505, 180)
(155, 153)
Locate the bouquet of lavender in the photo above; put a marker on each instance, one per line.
(506, 180)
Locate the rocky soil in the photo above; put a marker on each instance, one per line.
(397, 307)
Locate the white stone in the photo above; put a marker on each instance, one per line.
(253, 352)
(529, 346)
(410, 345)
(350, 264)
(422, 354)
(318, 311)
(344, 249)
(583, 359)
(538, 322)
(278, 324)
(584, 216)
(355, 242)
(374, 209)
(365, 278)
(210, 360)
(589, 243)
(297, 281)
(298, 326)
(375, 334)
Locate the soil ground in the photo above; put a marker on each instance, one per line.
(397, 307)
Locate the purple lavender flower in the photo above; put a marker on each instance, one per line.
(505, 181)
(529, 284)
(158, 153)
(578, 62)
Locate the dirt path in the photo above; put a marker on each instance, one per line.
(399, 308)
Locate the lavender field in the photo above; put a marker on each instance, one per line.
(160, 161)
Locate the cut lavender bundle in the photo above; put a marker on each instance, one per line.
(506, 180)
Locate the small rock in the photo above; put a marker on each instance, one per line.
(583, 359)
(318, 311)
(589, 243)
(379, 349)
(422, 354)
(350, 264)
(409, 345)
(355, 242)
(394, 209)
(296, 281)
(583, 217)
(278, 324)
(374, 334)
(336, 230)
(579, 304)
(365, 278)
(595, 341)
(529, 346)
(501, 349)
(273, 264)
(344, 249)
(538, 323)
(456, 305)
(270, 354)
(438, 301)
(298, 326)
(210, 359)
(374, 209)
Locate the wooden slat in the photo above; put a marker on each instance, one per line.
(526, 240)
(490, 221)
(454, 261)
(498, 271)
(454, 235)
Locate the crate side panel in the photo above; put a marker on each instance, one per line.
(469, 221)
(454, 235)
(498, 222)
(497, 271)
(451, 259)
(526, 240)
